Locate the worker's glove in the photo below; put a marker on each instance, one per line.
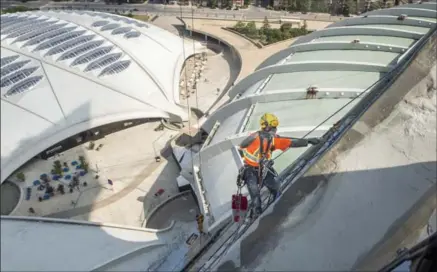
(314, 141)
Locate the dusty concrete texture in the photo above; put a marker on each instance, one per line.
(370, 184)
(128, 160)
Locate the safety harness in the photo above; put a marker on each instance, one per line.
(262, 167)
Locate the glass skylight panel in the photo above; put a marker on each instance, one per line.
(58, 40)
(69, 44)
(17, 76)
(100, 23)
(115, 68)
(94, 54)
(132, 34)
(24, 85)
(103, 62)
(9, 28)
(39, 32)
(13, 67)
(80, 50)
(8, 20)
(115, 18)
(27, 29)
(142, 24)
(121, 30)
(49, 35)
(7, 60)
(109, 27)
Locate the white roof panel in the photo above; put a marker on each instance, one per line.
(134, 77)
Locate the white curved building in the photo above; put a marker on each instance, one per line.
(67, 72)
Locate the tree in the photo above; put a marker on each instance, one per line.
(213, 3)
(302, 5)
(251, 30)
(20, 176)
(57, 167)
(285, 27)
(240, 26)
(83, 164)
(266, 25)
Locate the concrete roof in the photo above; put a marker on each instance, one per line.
(65, 245)
(327, 59)
(65, 72)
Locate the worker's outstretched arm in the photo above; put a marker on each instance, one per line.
(284, 142)
(248, 140)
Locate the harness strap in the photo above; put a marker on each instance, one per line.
(263, 136)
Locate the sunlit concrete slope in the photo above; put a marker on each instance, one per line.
(42, 244)
(374, 187)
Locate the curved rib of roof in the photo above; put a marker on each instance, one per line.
(64, 72)
(342, 62)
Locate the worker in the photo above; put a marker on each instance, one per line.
(257, 160)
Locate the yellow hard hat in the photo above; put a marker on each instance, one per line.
(268, 120)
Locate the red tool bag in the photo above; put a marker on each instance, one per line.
(239, 205)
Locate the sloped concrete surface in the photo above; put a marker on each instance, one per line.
(380, 174)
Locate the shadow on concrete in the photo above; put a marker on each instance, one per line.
(181, 209)
(9, 196)
(390, 200)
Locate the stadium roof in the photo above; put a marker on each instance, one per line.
(65, 72)
(80, 245)
(342, 61)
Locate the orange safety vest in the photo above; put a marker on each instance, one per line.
(252, 153)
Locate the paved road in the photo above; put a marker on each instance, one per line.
(251, 13)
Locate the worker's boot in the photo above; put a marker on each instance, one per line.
(255, 212)
(273, 196)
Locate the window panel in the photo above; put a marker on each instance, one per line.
(59, 40)
(7, 60)
(94, 54)
(38, 32)
(104, 61)
(115, 68)
(13, 67)
(24, 85)
(100, 23)
(49, 35)
(17, 76)
(121, 30)
(132, 34)
(15, 25)
(80, 50)
(27, 29)
(109, 27)
(70, 44)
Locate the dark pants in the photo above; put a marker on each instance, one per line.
(251, 178)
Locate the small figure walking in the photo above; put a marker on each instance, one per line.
(111, 183)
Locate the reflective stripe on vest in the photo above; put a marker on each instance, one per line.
(255, 157)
